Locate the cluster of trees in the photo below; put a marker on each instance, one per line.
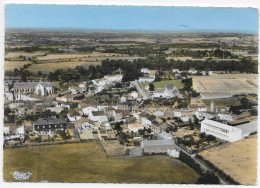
(22, 72)
(245, 104)
(208, 178)
(142, 51)
(188, 140)
(203, 53)
(245, 65)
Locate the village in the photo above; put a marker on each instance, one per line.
(172, 103)
(135, 120)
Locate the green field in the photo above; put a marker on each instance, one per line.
(222, 102)
(86, 162)
(161, 84)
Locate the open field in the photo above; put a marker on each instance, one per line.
(225, 85)
(222, 102)
(86, 162)
(11, 65)
(50, 67)
(238, 159)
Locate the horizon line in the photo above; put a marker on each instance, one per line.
(141, 30)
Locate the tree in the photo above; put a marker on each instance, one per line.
(118, 126)
(23, 78)
(208, 178)
(151, 87)
(40, 73)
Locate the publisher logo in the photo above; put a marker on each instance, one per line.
(22, 175)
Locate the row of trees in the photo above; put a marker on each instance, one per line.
(207, 177)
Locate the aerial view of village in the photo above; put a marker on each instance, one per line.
(129, 106)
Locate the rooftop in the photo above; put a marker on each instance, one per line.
(49, 121)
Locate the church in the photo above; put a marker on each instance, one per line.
(26, 91)
(168, 92)
(38, 88)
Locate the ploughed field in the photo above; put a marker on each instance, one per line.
(86, 162)
(225, 85)
(238, 159)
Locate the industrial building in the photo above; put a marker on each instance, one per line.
(226, 132)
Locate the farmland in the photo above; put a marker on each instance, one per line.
(86, 162)
(239, 159)
(11, 65)
(225, 85)
(25, 54)
(50, 67)
(52, 62)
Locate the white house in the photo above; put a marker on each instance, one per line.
(146, 79)
(175, 71)
(56, 109)
(133, 95)
(20, 131)
(8, 96)
(146, 119)
(173, 153)
(158, 113)
(135, 127)
(73, 115)
(206, 73)
(88, 109)
(114, 78)
(192, 71)
(99, 89)
(221, 131)
(177, 113)
(65, 98)
(84, 123)
(145, 71)
(98, 116)
(6, 130)
(208, 115)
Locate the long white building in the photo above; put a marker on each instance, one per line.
(221, 131)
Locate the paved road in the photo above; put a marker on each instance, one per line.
(140, 90)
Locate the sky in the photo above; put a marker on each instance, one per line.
(132, 18)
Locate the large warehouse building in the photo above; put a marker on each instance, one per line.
(157, 146)
(226, 132)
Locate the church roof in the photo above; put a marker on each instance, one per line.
(33, 84)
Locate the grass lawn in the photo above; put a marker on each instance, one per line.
(57, 84)
(85, 162)
(222, 102)
(161, 84)
(118, 91)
